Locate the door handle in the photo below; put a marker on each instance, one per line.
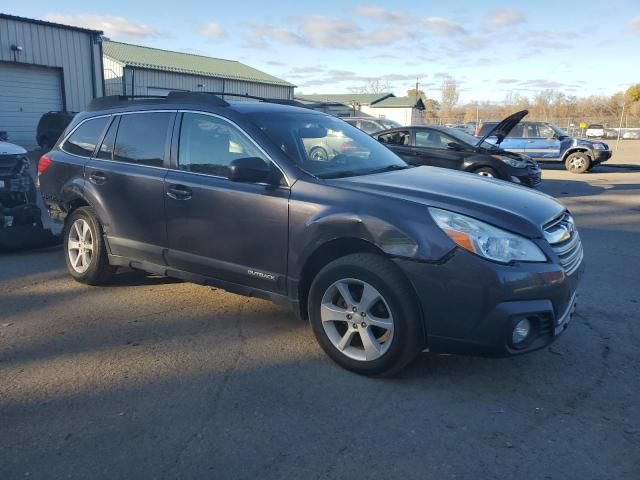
(530, 141)
(179, 192)
(97, 178)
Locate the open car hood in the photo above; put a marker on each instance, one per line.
(7, 148)
(502, 129)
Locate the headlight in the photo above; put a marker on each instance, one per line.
(486, 240)
(514, 162)
(599, 146)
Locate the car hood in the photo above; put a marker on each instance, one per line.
(502, 129)
(503, 204)
(7, 148)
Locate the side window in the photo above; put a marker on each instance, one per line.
(545, 131)
(106, 148)
(395, 138)
(369, 127)
(83, 141)
(142, 138)
(208, 145)
(432, 139)
(516, 132)
(529, 130)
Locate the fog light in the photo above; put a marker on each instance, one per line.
(521, 331)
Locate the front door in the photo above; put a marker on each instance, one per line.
(127, 176)
(232, 231)
(542, 143)
(432, 148)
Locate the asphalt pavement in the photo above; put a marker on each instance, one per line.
(154, 378)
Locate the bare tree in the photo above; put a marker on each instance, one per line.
(374, 85)
(449, 96)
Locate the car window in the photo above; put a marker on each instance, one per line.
(543, 131)
(516, 132)
(432, 139)
(401, 137)
(106, 148)
(142, 138)
(369, 126)
(208, 144)
(83, 141)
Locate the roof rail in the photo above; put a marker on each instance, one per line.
(114, 101)
(211, 98)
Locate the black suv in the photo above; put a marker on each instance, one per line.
(384, 259)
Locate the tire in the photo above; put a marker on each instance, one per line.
(391, 326)
(486, 172)
(578, 162)
(86, 265)
(318, 154)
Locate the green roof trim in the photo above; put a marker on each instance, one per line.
(345, 98)
(165, 60)
(400, 102)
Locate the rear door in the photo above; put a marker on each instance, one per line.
(542, 142)
(232, 231)
(515, 141)
(127, 180)
(432, 148)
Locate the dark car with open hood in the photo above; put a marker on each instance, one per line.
(453, 148)
(383, 258)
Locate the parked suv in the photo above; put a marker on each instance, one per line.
(51, 126)
(546, 142)
(384, 259)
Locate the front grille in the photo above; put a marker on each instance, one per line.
(565, 242)
(9, 165)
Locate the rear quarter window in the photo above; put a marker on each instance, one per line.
(84, 139)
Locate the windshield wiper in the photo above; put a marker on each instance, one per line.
(388, 168)
(342, 173)
(354, 173)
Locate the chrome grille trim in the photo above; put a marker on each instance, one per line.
(565, 242)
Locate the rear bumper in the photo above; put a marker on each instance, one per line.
(471, 305)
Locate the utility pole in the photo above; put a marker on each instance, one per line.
(620, 127)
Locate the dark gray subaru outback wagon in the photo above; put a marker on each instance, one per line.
(384, 259)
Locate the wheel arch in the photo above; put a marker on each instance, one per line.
(577, 149)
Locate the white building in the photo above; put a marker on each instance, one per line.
(404, 110)
(135, 70)
(44, 67)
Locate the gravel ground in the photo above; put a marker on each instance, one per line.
(153, 378)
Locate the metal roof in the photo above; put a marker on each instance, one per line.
(345, 98)
(49, 24)
(165, 60)
(400, 102)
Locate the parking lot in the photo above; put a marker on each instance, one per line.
(153, 378)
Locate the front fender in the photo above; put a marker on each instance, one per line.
(578, 148)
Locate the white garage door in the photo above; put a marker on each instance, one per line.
(26, 92)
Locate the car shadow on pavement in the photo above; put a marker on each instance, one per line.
(135, 278)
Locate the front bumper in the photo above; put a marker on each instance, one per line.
(600, 156)
(470, 305)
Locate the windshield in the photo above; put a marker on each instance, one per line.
(325, 146)
(389, 124)
(464, 137)
(560, 132)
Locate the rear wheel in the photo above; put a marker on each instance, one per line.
(318, 154)
(578, 162)
(364, 315)
(86, 253)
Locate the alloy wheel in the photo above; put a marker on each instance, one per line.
(80, 245)
(357, 319)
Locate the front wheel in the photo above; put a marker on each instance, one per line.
(86, 253)
(486, 172)
(318, 154)
(364, 315)
(578, 162)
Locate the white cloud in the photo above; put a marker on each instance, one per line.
(505, 18)
(213, 31)
(634, 24)
(383, 15)
(444, 26)
(112, 25)
(321, 31)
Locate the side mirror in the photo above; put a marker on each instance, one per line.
(454, 146)
(249, 169)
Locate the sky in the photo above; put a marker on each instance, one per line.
(489, 48)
